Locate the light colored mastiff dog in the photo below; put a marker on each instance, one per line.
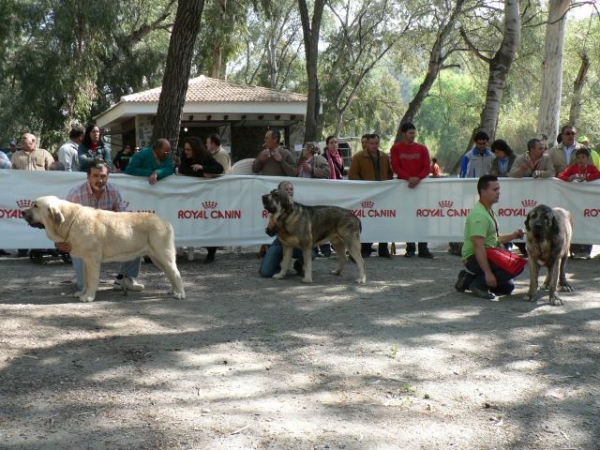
(98, 236)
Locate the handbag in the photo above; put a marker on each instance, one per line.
(506, 260)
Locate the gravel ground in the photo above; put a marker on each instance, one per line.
(403, 362)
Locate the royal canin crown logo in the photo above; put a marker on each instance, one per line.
(368, 204)
(368, 210)
(210, 212)
(209, 204)
(446, 203)
(529, 203)
(24, 204)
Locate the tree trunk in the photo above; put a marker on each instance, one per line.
(436, 60)
(311, 30)
(500, 67)
(575, 111)
(177, 70)
(549, 110)
(217, 53)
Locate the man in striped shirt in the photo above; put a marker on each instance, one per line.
(98, 193)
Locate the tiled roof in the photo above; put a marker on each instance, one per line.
(204, 89)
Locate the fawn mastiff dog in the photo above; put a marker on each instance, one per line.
(98, 236)
(306, 226)
(548, 237)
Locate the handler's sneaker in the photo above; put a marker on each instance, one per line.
(128, 283)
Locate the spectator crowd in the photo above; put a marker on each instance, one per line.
(570, 160)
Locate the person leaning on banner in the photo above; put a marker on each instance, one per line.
(481, 276)
(410, 162)
(153, 162)
(563, 153)
(371, 164)
(197, 161)
(274, 160)
(30, 157)
(535, 163)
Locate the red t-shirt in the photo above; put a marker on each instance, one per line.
(410, 160)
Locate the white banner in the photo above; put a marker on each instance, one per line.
(228, 210)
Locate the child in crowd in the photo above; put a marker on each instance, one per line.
(581, 169)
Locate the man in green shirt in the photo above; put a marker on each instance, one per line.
(480, 276)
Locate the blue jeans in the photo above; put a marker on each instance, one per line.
(270, 264)
(128, 269)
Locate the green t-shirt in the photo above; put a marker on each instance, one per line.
(480, 223)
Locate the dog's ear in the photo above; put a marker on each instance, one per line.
(56, 215)
(527, 227)
(554, 224)
(286, 202)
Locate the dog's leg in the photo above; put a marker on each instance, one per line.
(354, 250)
(286, 262)
(562, 279)
(534, 271)
(307, 256)
(340, 249)
(91, 278)
(169, 267)
(553, 283)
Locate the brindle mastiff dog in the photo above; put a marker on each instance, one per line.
(549, 232)
(306, 226)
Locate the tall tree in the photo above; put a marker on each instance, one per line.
(578, 85)
(177, 70)
(499, 65)
(311, 28)
(552, 70)
(360, 42)
(444, 22)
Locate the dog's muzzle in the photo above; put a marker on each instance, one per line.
(28, 216)
(267, 203)
(538, 230)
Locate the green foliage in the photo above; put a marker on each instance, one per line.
(448, 116)
(68, 60)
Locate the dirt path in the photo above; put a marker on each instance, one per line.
(403, 362)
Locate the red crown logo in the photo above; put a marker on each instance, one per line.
(529, 203)
(22, 204)
(368, 204)
(209, 204)
(446, 204)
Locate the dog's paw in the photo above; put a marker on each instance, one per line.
(556, 301)
(530, 298)
(86, 298)
(178, 295)
(307, 280)
(335, 272)
(566, 288)
(279, 276)
(361, 280)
